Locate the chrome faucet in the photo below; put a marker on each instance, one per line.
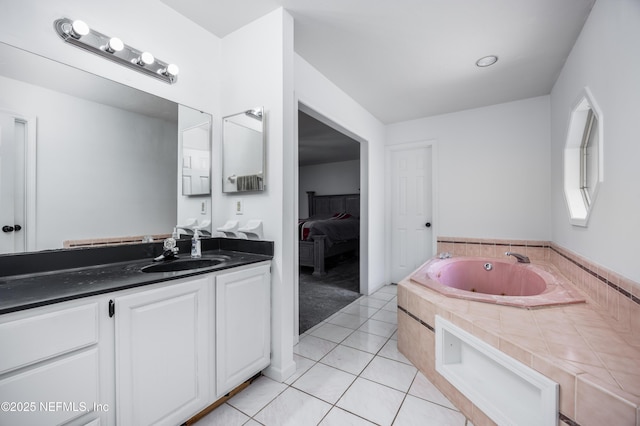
(170, 250)
(521, 258)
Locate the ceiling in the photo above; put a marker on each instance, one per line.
(408, 59)
(319, 143)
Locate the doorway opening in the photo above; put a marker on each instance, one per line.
(328, 234)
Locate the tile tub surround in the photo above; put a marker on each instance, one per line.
(617, 295)
(537, 285)
(477, 247)
(581, 347)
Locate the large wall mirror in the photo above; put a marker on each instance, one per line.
(82, 157)
(243, 148)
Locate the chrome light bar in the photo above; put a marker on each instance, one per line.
(80, 35)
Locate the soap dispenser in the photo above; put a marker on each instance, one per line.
(196, 251)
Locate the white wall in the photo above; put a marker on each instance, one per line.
(493, 169)
(101, 171)
(319, 94)
(258, 71)
(605, 58)
(341, 177)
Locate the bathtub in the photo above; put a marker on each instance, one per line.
(498, 281)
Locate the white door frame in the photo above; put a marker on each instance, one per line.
(302, 105)
(435, 221)
(30, 177)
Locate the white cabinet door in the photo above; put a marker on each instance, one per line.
(243, 324)
(162, 374)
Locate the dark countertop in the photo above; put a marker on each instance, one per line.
(29, 290)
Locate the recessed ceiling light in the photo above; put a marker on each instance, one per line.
(487, 61)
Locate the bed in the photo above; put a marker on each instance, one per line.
(332, 228)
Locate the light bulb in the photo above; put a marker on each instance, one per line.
(145, 58)
(171, 70)
(114, 45)
(79, 29)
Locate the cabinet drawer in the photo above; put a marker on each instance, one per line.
(36, 338)
(52, 393)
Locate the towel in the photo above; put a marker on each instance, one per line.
(249, 183)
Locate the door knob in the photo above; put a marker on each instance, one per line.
(428, 224)
(7, 228)
(17, 228)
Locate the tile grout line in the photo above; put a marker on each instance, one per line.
(334, 405)
(357, 376)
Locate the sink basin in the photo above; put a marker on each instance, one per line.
(185, 264)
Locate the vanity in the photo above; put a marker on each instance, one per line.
(89, 338)
(103, 335)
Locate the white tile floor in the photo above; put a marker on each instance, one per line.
(349, 372)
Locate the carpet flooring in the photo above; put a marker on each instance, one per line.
(321, 297)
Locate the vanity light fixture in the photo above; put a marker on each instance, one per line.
(487, 61)
(80, 35)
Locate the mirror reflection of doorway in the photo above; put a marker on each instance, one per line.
(17, 196)
(328, 185)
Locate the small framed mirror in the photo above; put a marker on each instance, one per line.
(243, 148)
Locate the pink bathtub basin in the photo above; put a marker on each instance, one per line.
(496, 281)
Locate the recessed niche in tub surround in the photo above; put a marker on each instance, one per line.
(618, 295)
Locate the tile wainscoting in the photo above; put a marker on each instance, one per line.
(113, 241)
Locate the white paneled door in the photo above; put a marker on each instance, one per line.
(411, 209)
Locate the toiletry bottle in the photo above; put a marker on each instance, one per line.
(196, 251)
(175, 235)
